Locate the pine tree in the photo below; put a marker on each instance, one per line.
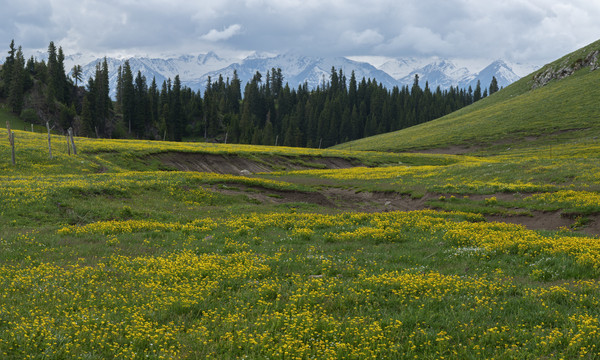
(140, 91)
(493, 85)
(164, 111)
(267, 135)
(102, 98)
(234, 94)
(7, 69)
(153, 105)
(89, 113)
(76, 73)
(119, 89)
(52, 71)
(17, 84)
(128, 97)
(176, 116)
(61, 77)
(477, 92)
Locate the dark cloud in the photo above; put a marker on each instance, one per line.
(522, 30)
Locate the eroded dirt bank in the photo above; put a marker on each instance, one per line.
(233, 164)
(363, 201)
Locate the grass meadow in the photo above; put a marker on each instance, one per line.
(112, 254)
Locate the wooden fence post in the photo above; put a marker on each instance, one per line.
(12, 144)
(72, 141)
(68, 145)
(8, 129)
(49, 144)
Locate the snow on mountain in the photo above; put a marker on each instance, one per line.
(194, 70)
(188, 67)
(297, 70)
(400, 68)
(521, 69)
(502, 71)
(442, 73)
(445, 73)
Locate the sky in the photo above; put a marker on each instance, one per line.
(526, 31)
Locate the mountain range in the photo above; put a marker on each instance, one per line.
(297, 69)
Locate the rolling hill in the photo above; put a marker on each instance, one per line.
(556, 103)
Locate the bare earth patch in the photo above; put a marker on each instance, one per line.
(233, 164)
(539, 220)
(349, 199)
(364, 201)
(272, 196)
(450, 150)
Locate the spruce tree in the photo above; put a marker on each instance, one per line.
(89, 113)
(7, 69)
(153, 104)
(102, 99)
(176, 116)
(17, 83)
(128, 97)
(52, 71)
(493, 85)
(141, 116)
(119, 89)
(477, 92)
(61, 77)
(76, 73)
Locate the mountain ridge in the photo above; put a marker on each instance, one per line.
(194, 70)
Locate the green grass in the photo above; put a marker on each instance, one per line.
(17, 123)
(562, 111)
(110, 254)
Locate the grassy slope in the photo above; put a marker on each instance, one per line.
(510, 114)
(98, 261)
(155, 264)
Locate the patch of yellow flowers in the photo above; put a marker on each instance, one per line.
(239, 303)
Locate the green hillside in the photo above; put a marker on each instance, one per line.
(562, 109)
(139, 249)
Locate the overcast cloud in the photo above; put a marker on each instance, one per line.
(529, 31)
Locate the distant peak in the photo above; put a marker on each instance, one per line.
(499, 63)
(260, 55)
(212, 54)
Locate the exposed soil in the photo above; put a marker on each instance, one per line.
(351, 200)
(593, 227)
(450, 150)
(539, 220)
(272, 196)
(233, 164)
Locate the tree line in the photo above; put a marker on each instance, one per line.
(270, 112)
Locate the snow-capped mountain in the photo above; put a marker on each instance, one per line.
(297, 70)
(445, 73)
(442, 73)
(501, 70)
(194, 70)
(188, 67)
(401, 68)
